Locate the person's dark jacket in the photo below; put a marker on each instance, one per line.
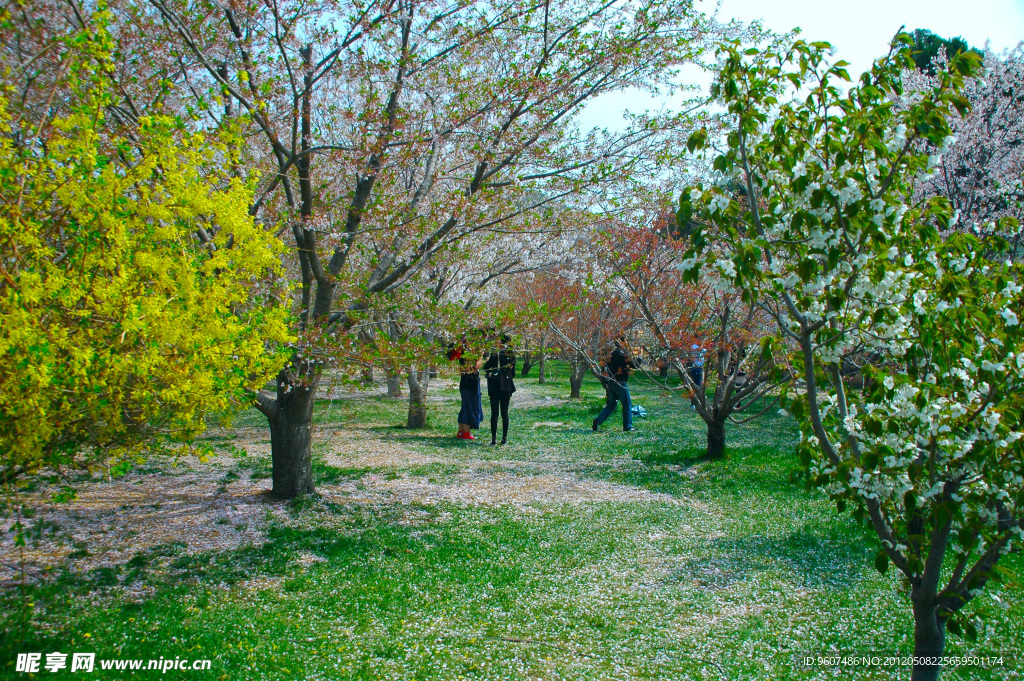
(619, 367)
(469, 378)
(500, 370)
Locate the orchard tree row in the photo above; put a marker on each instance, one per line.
(391, 162)
(199, 198)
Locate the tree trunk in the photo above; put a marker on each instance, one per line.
(291, 414)
(929, 638)
(428, 336)
(540, 360)
(716, 440)
(577, 370)
(291, 430)
(529, 359)
(391, 369)
(394, 382)
(419, 381)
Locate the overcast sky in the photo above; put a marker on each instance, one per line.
(860, 32)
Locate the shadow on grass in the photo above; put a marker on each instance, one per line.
(661, 479)
(667, 457)
(426, 437)
(807, 558)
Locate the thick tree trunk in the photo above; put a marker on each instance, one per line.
(577, 370)
(394, 382)
(419, 381)
(291, 430)
(291, 414)
(716, 440)
(929, 638)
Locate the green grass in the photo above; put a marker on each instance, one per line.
(728, 571)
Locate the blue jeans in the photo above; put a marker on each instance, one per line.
(615, 393)
(697, 376)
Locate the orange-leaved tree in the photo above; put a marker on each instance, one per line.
(722, 345)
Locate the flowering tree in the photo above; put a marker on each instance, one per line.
(582, 316)
(731, 332)
(463, 289)
(981, 172)
(849, 261)
(396, 130)
(536, 346)
(134, 297)
(590, 319)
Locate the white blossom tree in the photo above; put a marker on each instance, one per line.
(982, 172)
(850, 260)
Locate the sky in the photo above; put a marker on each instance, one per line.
(860, 32)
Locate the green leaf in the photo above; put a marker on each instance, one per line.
(807, 268)
(697, 140)
(954, 627)
(882, 561)
(967, 537)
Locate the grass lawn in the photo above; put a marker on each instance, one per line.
(563, 555)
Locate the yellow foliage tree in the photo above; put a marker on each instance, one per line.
(136, 292)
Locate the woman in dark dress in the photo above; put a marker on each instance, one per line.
(471, 412)
(500, 370)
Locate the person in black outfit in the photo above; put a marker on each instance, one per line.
(500, 369)
(620, 363)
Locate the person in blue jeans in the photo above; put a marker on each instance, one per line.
(620, 363)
